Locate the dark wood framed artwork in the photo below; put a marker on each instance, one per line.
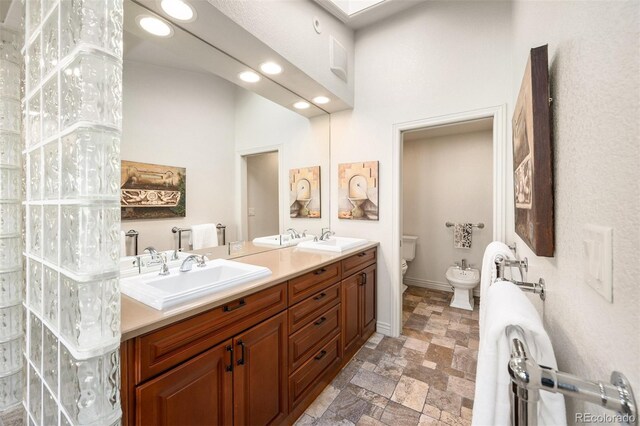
(533, 157)
(152, 191)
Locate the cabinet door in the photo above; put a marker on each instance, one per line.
(260, 373)
(198, 392)
(368, 300)
(351, 322)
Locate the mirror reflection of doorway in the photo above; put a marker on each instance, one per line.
(262, 195)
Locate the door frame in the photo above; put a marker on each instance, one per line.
(241, 186)
(500, 173)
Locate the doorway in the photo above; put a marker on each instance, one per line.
(262, 213)
(500, 178)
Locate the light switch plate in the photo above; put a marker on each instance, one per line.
(597, 246)
(251, 211)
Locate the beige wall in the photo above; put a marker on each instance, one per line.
(434, 59)
(446, 179)
(262, 194)
(594, 58)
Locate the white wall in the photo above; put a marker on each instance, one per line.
(263, 125)
(181, 118)
(263, 194)
(446, 179)
(594, 58)
(434, 59)
(286, 26)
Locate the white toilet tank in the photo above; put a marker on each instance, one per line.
(409, 247)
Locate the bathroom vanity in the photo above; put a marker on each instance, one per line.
(254, 356)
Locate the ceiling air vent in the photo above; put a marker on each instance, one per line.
(338, 61)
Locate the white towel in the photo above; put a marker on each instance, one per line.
(123, 244)
(204, 236)
(507, 305)
(488, 274)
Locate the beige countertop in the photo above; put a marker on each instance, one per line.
(138, 318)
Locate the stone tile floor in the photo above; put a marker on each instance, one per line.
(424, 377)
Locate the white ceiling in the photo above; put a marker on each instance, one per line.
(448, 129)
(357, 14)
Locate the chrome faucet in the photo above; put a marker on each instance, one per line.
(326, 233)
(293, 232)
(152, 251)
(187, 264)
(164, 268)
(464, 264)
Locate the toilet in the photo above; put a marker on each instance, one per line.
(462, 281)
(408, 254)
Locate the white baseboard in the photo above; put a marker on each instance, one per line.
(434, 285)
(383, 328)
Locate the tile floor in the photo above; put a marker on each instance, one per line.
(424, 377)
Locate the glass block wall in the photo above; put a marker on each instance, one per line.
(11, 274)
(73, 81)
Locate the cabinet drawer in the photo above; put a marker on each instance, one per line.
(309, 340)
(307, 310)
(165, 348)
(312, 282)
(356, 262)
(303, 380)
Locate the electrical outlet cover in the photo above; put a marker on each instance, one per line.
(598, 259)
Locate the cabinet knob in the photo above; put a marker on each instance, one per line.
(320, 321)
(320, 296)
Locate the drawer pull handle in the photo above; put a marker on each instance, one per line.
(321, 271)
(242, 346)
(320, 355)
(320, 296)
(363, 254)
(363, 278)
(240, 304)
(229, 367)
(320, 321)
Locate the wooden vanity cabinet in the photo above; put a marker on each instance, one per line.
(358, 303)
(259, 360)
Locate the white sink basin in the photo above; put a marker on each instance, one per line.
(334, 244)
(461, 276)
(283, 240)
(162, 292)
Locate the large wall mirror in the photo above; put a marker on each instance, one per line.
(200, 145)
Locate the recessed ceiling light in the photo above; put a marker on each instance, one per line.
(301, 105)
(155, 26)
(271, 68)
(178, 9)
(321, 100)
(249, 77)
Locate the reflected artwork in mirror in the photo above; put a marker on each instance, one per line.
(304, 193)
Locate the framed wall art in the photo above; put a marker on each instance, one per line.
(533, 157)
(304, 193)
(152, 191)
(358, 191)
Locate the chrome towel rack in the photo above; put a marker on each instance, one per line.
(528, 378)
(179, 231)
(536, 288)
(132, 233)
(478, 225)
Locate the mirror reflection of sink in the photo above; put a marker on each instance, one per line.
(333, 244)
(283, 240)
(129, 264)
(162, 292)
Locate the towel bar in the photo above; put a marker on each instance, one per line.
(179, 231)
(528, 378)
(535, 288)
